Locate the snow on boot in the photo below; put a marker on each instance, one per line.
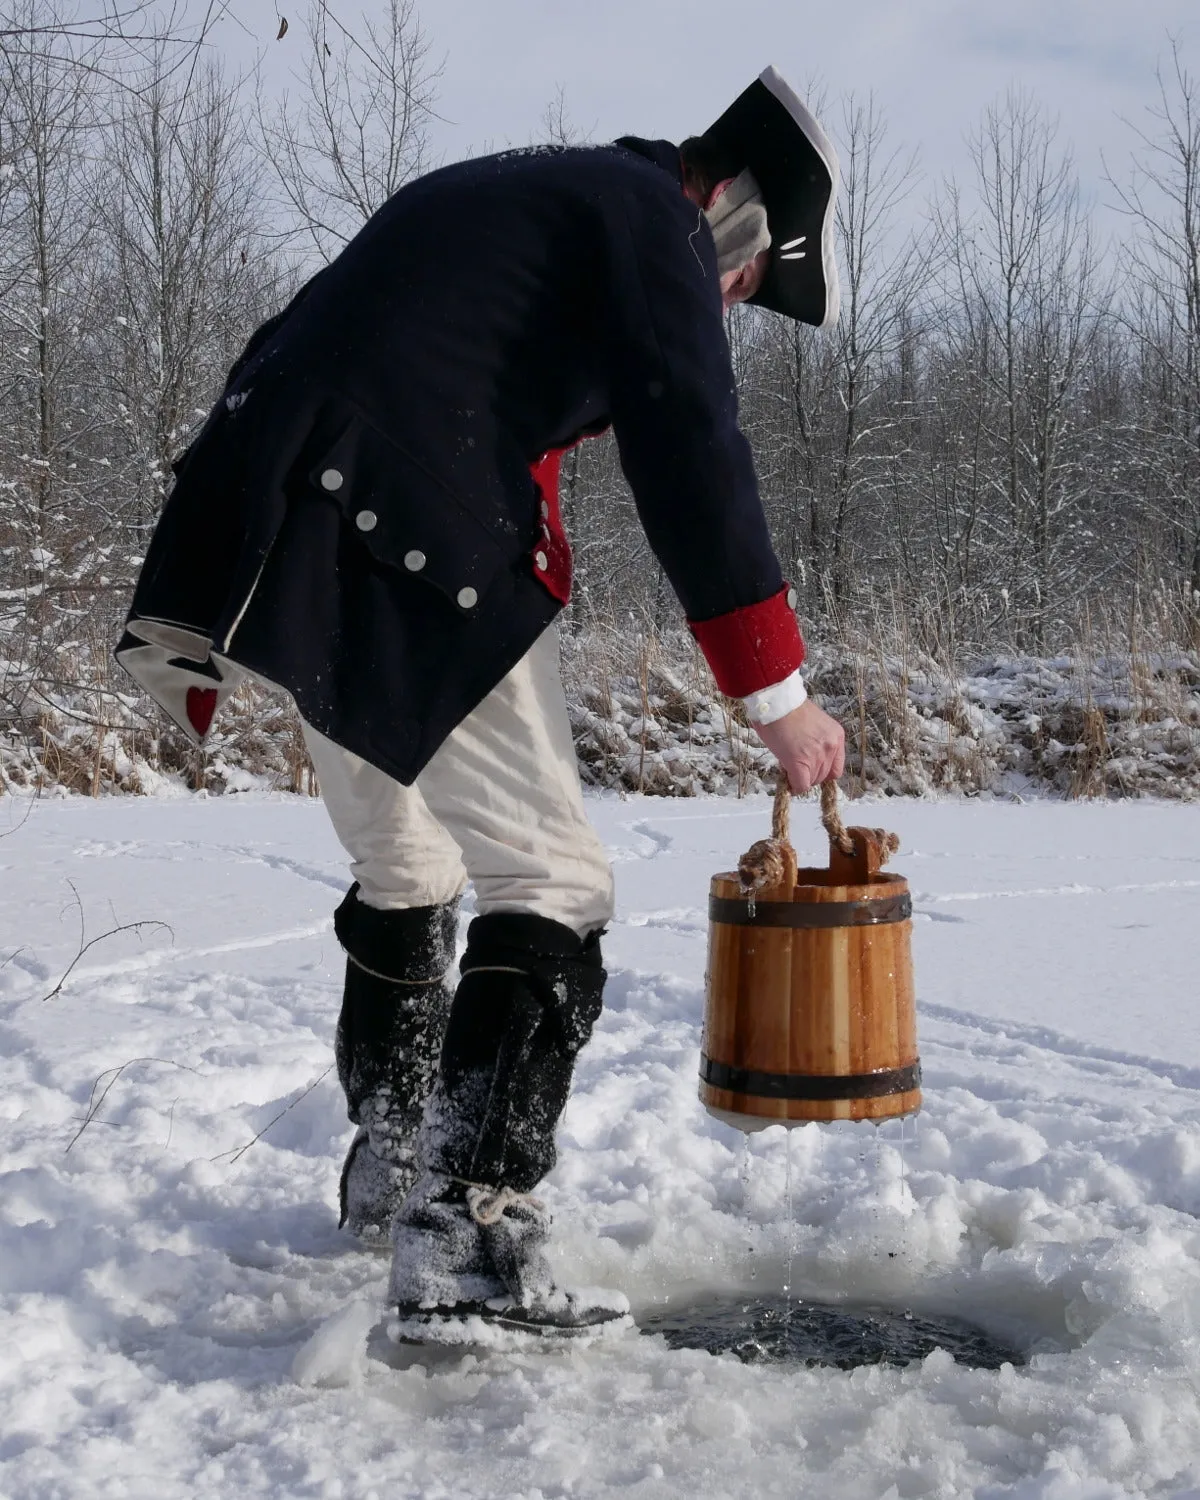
(439, 1256)
(389, 1036)
(529, 995)
(467, 1257)
(468, 1268)
(378, 1172)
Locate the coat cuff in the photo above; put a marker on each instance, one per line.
(754, 647)
(774, 702)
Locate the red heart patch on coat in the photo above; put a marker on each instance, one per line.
(201, 705)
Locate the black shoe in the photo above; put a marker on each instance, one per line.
(504, 1323)
(468, 1268)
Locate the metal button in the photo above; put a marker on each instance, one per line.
(414, 561)
(331, 479)
(545, 510)
(541, 560)
(366, 520)
(467, 598)
(792, 597)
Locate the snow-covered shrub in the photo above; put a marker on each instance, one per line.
(647, 718)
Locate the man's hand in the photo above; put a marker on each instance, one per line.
(808, 744)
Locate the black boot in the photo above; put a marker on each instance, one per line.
(467, 1242)
(528, 998)
(389, 1037)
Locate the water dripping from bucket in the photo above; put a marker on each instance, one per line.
(905, 1190)
(744, 1172)
(884, 1141)
(791, 1230)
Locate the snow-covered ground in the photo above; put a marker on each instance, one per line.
(181, 1317)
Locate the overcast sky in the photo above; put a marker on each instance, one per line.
(668, 67)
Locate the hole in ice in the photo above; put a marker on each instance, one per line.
(762, 1330)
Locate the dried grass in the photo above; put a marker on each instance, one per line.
(1116, 715)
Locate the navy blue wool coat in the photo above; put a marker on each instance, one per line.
(357, 520)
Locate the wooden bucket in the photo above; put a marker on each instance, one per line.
(810, 1013)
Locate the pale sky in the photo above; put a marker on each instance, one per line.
(660, 67)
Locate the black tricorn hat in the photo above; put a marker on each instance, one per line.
(768, 129)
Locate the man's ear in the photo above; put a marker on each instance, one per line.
(716, 193)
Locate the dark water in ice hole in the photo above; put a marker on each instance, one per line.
(767, 1330)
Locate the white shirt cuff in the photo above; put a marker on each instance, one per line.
(771, 703)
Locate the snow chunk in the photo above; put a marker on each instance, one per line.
(335, 1355)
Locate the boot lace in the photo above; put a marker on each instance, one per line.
(487, 1205)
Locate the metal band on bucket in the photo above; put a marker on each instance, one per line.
(742, 912)
(815, 1086)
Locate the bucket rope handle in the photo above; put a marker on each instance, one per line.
(769, 862)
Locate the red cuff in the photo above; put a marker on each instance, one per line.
(751, 648)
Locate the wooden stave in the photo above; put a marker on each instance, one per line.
(826, 960)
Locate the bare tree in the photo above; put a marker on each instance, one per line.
(105, 22)
(359, 131)
(557, 128)
(48, 126)
(884, 275)
(1026, 270)
(108, 37)
(1161, 258)
(129, 276)
(824, 419)
(181, 211)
